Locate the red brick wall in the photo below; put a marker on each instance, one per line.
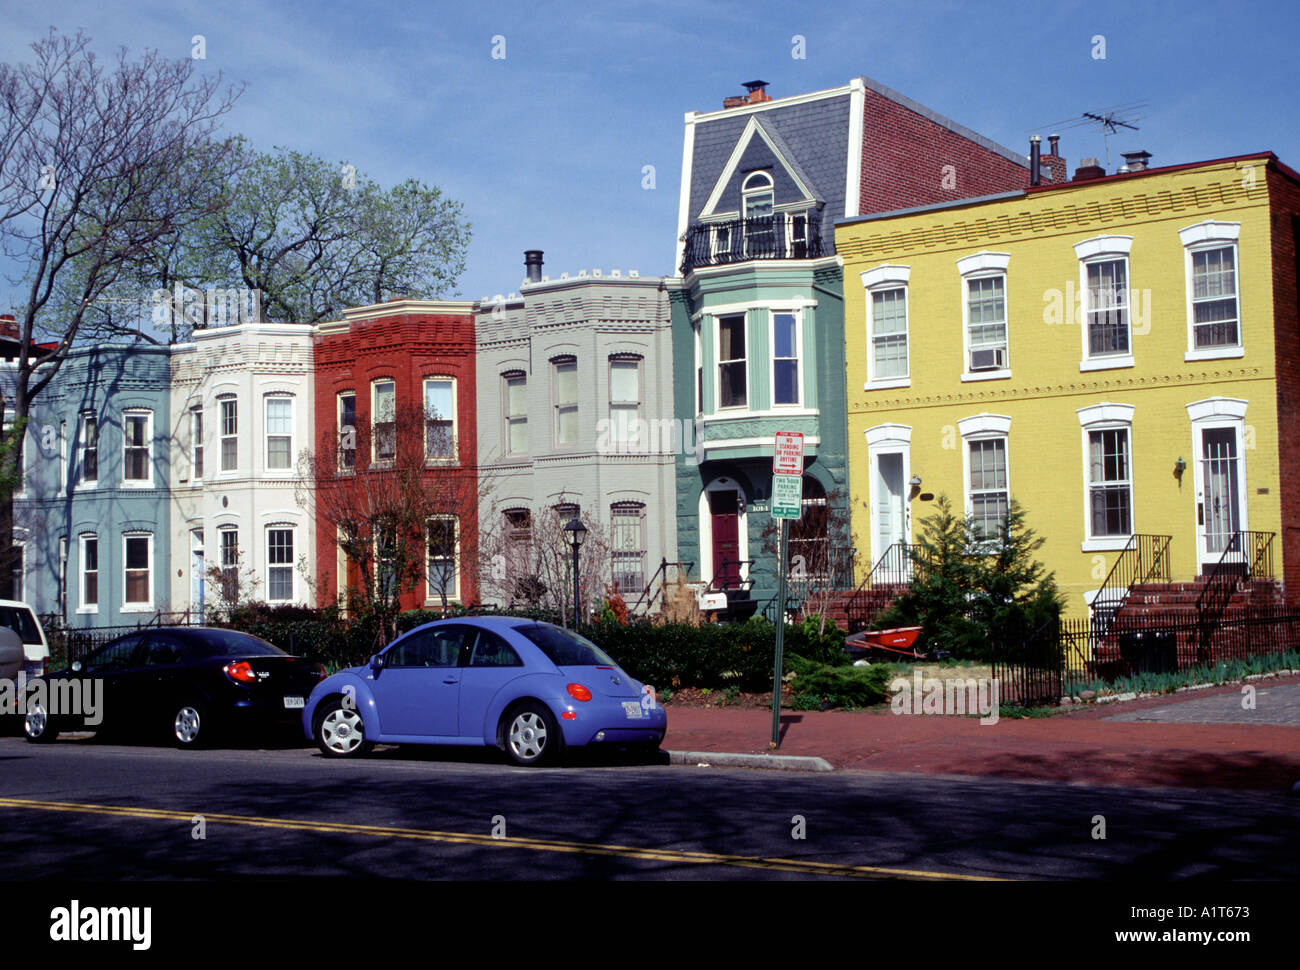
(904, 155)
(1284, 218)
(407, 348)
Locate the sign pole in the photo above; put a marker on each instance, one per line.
(780, 633)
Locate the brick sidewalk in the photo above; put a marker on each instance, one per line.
(1098, 745)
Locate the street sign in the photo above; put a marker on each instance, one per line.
(787, 456)
(787, 496)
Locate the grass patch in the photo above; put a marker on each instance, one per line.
(1227, 672)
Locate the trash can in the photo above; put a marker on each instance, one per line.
(1149, 651)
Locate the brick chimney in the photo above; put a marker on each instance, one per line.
(757, 95)
(8, 327)
(1053, 165)
(1089, 168)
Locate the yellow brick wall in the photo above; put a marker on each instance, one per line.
(1046, 467)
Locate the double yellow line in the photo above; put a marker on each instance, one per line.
(469, 838)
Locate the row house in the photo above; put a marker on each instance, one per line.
(575, 420)
(92, 513)
(241, 410)
(1118, 353)
(395, 394)
(758, 307)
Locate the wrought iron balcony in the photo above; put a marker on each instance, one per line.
(782, 236)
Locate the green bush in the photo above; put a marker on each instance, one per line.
(818, 685)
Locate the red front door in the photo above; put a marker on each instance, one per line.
(724, 509)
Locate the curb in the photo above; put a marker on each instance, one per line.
(776, 762)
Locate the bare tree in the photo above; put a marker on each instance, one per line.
(821, 554)
(96, 167)
(529, 558)
(403, 510)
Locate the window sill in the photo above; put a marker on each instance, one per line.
(1215, 353)
(1107, 363)
(135, 484)
(887, 384)
(136, 608)
(1001, 373)
(1106, 544)
(87, 610)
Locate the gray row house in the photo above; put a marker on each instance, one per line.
(575, 420)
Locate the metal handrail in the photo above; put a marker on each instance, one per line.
(1249, 556)
(744, 584)
(780, 236)
(900, 558)
(662, 571)
(1145, 559)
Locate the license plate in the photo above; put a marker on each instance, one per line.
(293, 702)
(632, 709)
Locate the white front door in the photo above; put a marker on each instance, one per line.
(1220, 491)
(888, 510)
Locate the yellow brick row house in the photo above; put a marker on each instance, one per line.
(1117, 353)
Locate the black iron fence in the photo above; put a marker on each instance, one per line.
(69, 644)
(780, 236)
(1074, 653)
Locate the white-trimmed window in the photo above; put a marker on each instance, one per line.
(787, 338)
(987, 477)
(627, 547)
(699, 371)
(279, 564)
(733, 362)
(63, 576)
(624, 399)
(228, 547)
(887, 341)
(756, 194)
(137, 441)
(1107, 475)
(229, 410)
(88, 573)
(196, 443)
(442, 552)
(514, 395)
(383, 408)
(1213, 290)
(347, 429)
(564, 387)
(439, 419)
(1106, 292)
(137, 571)
(88, 449)
(984, 315)
(63, 459)
(279, 432)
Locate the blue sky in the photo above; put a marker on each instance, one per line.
(546, 147)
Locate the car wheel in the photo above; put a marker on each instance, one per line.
(530, 735)
(37, 726)
(190, 728)
(340, 732)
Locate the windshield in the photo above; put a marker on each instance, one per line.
(565, 648)
(21, 622)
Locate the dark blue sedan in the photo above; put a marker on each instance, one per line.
(532, 689)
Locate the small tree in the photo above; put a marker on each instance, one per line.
(821, 554)
(969, 589)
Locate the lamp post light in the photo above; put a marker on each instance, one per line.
(577, 532)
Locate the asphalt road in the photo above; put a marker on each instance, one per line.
(82, 809)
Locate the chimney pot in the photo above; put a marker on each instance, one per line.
(1052, 141)
(533, 265)
(1137, 161)
(1034, 148)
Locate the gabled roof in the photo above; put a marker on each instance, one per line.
(771, 138)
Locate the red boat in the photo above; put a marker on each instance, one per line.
(898, 642)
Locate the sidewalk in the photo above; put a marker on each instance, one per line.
(1158, 741)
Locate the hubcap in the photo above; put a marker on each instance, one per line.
(342, 730)
(35, 721)
(528, 736)
(186, 725)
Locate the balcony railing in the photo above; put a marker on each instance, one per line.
(782, 236)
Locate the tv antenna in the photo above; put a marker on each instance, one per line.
(1111, 120)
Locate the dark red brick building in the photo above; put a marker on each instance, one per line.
(396, 416)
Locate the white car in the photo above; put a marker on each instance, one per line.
(22, 619)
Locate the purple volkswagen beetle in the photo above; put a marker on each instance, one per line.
(532, 689)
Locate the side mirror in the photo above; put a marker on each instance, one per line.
(377, 662)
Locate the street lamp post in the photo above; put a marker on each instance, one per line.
(577, 532)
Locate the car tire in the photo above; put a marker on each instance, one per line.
(37, 725)
(189, 726)
(339, 731)
(530, 736)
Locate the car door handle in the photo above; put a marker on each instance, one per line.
(451, 680)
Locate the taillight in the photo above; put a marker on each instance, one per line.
(321, 672)
(578, 692)
(241, 672)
